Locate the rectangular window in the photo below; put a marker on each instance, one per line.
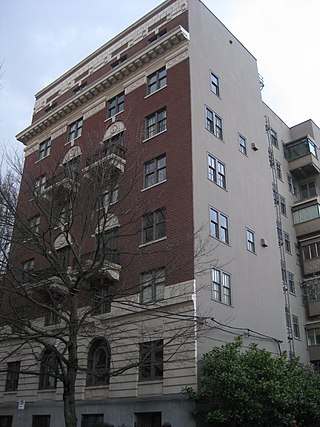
(308, 190)
(219, 228)
(292, 186)
(40, 185)
(156, 123)
(152, 286)
(6, 420)
(250, 240)
(40, 420)
(157, 80)
(287, 244)
(154, 225)
(27, 270)
(158, 35)
(108, 242)
(214, 84)
(101, 300)
(155, 171)
(108, 197)
(116, 104)
(313, 336)
(274, 138)
(151, 360)
(296, 327)
(216, 171)
(306, 214)
(242, 144)
(213, 123)
(71, 169)
(283, 206)
(311, 251)
(52, 317)
(64, 256)
(291, 284)
(34, 223)
(75, 129)
(44, 148)
(221, 286)
(92, 420)
(12, 381)
(119, 61)
(278, 170)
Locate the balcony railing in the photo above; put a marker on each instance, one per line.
(302, 157)
(311, 293)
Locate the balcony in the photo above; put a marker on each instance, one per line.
(313, 337)
(108, 266)
(112, 156)
(311, 293)
(302, 158)
(306, 216)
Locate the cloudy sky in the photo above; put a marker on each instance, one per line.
(41, 39)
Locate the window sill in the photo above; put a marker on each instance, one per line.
(96, 387)
(71, 142)
(113, 118)
(222, 303)
(153, 241)
(153, 136)
(158, 90)
(153, 185)
(220, 241)
(150, 381)
(10, 392)
(42, 158)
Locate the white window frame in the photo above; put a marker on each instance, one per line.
(214, 123)
(158, 171)
(251, 246)
(217, 171)
(75, 129)
(221, 286)
(156, 123)
(44, 148)
(214, 84)
(156, 80)
(296, 327)
(152, 285)
(242, 144)
(219, 225)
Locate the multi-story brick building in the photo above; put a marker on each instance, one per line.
(212, 218)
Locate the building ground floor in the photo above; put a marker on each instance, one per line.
(155, 411)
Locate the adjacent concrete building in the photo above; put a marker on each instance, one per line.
(221, 220)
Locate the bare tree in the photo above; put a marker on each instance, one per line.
(73, 257)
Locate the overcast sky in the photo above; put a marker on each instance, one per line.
(41, 39)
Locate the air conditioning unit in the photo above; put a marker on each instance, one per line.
(264, 243)
(254, 147)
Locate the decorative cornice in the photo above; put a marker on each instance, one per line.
(162, 45)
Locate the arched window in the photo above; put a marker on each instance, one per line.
(98, 363)
(48, 371)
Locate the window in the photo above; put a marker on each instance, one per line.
(219, 228)
(215, 87)
(154, 225)
(39, 186)
(33, 224)
(313, 336)
(242, 144)
(157, 36)
(64, 256)
(71, 168)
(75, 129)
(151, 360)
(216, 171)
(291, 284)
(297, 252)
(155, 171)
(119, 61)
(48, 371)
(295, 326)
(156, 123)
(311, 251)
(52, 315)
(148, 419)
(92, 420)
(13, 369)
(287, 244)
(6, 420)
(65, 216)
(108, 197)
(44, 148)
(221, 286)
(116, 104)
(98, 368)
(292, 185)
(152, 286)
(157, 80)
(101, 299)
(27, 270)
(283, 207)
(250, 240)
(213, 123)
(108, 245)
(308, 190)
(274, 138)
(40, 420)
(278, 170)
